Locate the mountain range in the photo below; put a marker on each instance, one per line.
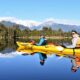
(54, 24)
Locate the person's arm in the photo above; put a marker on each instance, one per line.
(74, 41)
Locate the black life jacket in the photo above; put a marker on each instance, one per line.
(44, 42)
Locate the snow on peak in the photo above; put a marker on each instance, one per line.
(28, 23)
(31, 23)
(63, 21)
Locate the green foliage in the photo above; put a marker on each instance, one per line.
(15, 32)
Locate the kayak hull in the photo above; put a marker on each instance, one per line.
(47, 49)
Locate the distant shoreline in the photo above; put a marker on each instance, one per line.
(48, 37)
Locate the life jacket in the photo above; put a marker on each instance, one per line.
(78, 42)
(77, 61)
(44, 42)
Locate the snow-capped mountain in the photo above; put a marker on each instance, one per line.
(28, 23)
(65, 25)
(59, 25)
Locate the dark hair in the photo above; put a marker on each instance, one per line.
(74, 31)
(73, 69)
(42, 35)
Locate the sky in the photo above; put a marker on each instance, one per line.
(39, 10)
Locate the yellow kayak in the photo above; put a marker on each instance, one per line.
(47, 49)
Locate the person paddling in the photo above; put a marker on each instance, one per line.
(42, 41)
(75, 44)
(75, 40)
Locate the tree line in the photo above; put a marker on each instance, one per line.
(13, 32)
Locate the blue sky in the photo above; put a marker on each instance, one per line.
(40, 9)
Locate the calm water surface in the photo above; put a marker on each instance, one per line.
(14, 66)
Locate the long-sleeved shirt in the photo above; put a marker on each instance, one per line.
(74, 41)
(41, 42)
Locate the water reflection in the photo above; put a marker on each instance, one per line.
(7, 44)
(75, 64)
(9, 53)
(42, 57)
(75, 61)
(8, 50)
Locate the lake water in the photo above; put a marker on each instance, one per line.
(14, 66)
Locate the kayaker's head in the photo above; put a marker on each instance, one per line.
(42, 62)
(74, 69)
(74, 32)
(42, 36)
